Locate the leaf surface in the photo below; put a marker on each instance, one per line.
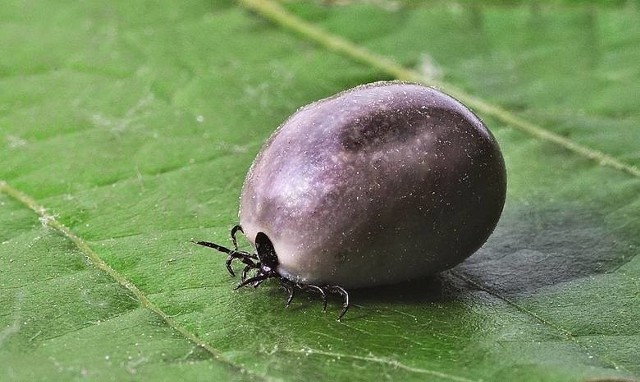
(126, 130)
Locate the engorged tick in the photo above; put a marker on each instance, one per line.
(382, 183)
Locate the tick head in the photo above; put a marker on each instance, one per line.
(266, 253)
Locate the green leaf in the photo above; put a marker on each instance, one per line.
(126, 130)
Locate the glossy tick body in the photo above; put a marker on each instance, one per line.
(383, 183)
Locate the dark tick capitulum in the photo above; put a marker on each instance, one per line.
(383, 183)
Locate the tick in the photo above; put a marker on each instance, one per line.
(379, 184)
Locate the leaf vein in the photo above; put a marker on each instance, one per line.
(566, 333)
(99, 263)
(277, 14)
(382, 361)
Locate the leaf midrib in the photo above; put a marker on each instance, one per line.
(277, 14)
(97, 261)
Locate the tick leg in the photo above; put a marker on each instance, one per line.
(243, 256)
(290, 287)
(256, 279)
(345, 295)
(214, 246)
(228, 263)
(235, 253)
(234, 230)
(246, 269)
(319, 290)
(232, 254)
(249, 264)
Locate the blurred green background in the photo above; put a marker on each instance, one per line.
(126, 130)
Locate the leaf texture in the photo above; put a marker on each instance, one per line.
(126, 130)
